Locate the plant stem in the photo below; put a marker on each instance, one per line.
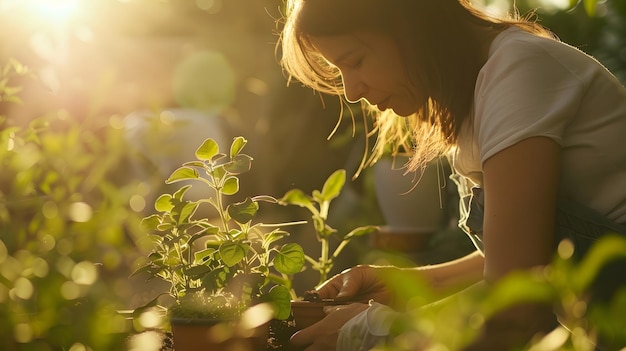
(324, 261)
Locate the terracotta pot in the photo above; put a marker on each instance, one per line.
(402, 240)
(307, 313)
(215, 335)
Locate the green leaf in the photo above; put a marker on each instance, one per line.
(178, 195)
(150, 223)
(280, 298)
(265, 198)
(297, 197)
(150, 304)
(289, 259)
(237, 145)
(605, 250)
(274, 236)
(243, 212)
(334, 184)
(207, 150)
(240, 164)
(164, 203)
(203, 255)
(360, 231)
(150, 269)
(165, 226)
(197, 272)
(198, 164)
(216, 278)
(231, 186)
(182, 173)
(590, 7)
(172, 259)
(519, 287)
(207, 231)
(12, 90)
(212, 243)
(12, 98)
(218, 172)
(187, 210)
(233, 252)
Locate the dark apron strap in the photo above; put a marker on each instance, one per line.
(582, 225)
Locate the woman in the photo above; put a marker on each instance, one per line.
(530, 123)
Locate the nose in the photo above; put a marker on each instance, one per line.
(354, 88)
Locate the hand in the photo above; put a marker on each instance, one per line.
(323, 335)
(360, 283)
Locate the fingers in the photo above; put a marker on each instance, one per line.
(303, 337)
(318, 337)
(345, 285)
(323, 335)
(330, 288)
(351, 285)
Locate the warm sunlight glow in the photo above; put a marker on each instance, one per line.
(501, 7)
(55, 11)
(554, 5)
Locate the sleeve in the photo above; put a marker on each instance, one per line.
(523, 91)
(367, 329)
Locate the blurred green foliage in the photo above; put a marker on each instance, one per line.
(66, 232)
(565, 285)
(596, 27)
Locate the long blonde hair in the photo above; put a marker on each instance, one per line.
(437, 25)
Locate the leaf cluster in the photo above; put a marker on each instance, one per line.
(318, 204)
(233, 254)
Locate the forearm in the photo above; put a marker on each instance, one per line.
(453, 276)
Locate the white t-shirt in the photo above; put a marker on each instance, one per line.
(532, 86)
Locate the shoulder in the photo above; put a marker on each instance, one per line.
(528, 87)
(516, 50)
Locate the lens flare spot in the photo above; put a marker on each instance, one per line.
(137, 203)
(23, 288)
(50, 209)
(78, 347)
(84, 273)
(70, 290)
(150, 319)
(40, 267)
(146, 341)
(80, 212)
(565, 249)
(23, 333)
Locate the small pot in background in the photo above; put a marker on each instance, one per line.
(413, 207)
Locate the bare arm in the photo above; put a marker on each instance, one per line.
(520, 185)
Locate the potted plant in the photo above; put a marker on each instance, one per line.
(413, 204)
(309, 309)
(219, 272)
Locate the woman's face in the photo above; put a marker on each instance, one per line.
(372, 69)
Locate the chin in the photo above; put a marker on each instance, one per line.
(402, 112)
